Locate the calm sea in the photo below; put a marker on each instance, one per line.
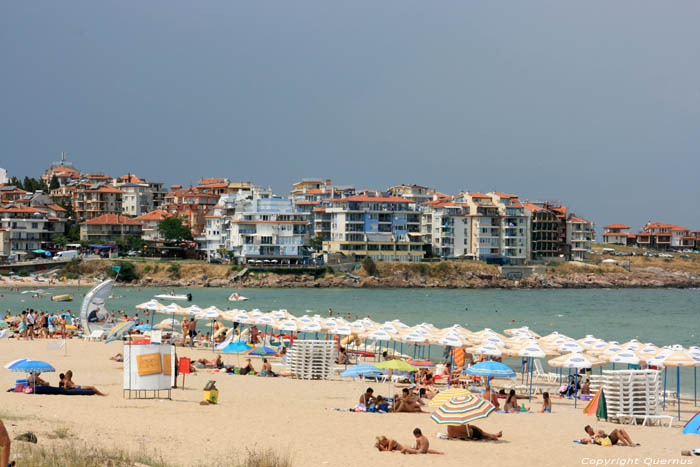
(650, 315)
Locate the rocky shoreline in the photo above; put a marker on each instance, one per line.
(647, 278)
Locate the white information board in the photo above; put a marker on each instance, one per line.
(148, 367)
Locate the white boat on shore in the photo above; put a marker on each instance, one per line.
(234, 297)
(170, 296)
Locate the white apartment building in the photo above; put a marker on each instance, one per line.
(268, 229)
(150, 231)
(137, 198)
(446, 227)
(30, 228)
(3, 176)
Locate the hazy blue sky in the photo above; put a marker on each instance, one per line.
(596, 104)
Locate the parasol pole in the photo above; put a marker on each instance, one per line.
(664, 407)
(695, 385)
(678, 390)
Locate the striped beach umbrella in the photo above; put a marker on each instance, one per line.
(421, 363)
(461, 410)
(119, 330)
(443, 397)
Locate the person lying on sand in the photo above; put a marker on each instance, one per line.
(617, 436)
(247, 367)
(470, 432)
(407, 403)
(69, 384)
(422, 445)
(385, 444)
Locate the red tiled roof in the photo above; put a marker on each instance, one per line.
(23, 209)
(479, 195)
(504, 195)
(533, 207)
(156, 215)
(111, 219)
(312, 191)
(370, 199)
(577, 219)
(97, 176)
(55, 207)
(617, 226)
(307, 202)
(614, 234)
(631, 235)
(208, 181)
(130, 178)
(319, 210)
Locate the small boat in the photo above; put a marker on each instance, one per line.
(170, 296)
(38, 292)
(234, 297)
(62, 298)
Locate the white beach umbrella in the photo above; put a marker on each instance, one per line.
(310, 327)
(289, 325)
(266, 320)
(531, 351)
(380, 335)
(174, 308)
(399, 325)
(412, 338)
(358, 327)
(633, 344)
(343, 330)
(389, 328)
(207, 314)
(151, 305)
(575, 360)
(452, 340)
(624, 356)
(611, 349)
(588, 341)
(647, 351)
(490, 350)
(193, 310)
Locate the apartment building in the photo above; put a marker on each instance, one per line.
(31, 228)
(616, 234)
(385, 228)
(191, 205)
(92, 201)
(580, 234)
(107, 228)
(150, 231)
(64, 171)
(660, 236)
(310, 196)
(3, 176)
(446, 228)
(267, 229)
(414, 193)
(10, 193)
(5, 249)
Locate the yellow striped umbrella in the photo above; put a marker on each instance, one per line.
(443, 396)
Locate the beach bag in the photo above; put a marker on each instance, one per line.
(27, 390)
(606, 441)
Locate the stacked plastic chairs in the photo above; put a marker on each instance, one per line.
(632, 396)
(311, 359)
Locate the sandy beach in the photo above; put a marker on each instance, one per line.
(294, 416)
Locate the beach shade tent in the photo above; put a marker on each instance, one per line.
(692, 427)
(360, 370)
(461, 410)
(577, 361)
(597, 406)
(445, 395)
(119, 331)
(677, 358)
(31, 366)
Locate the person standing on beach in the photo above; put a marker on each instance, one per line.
(192, 326)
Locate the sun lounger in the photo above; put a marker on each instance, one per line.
(63, 392)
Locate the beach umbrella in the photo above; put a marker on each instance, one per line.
(452, 340)
(647, 351)
(490, 369)
(143, 327)
(362, 369)
(677, 358)
(490, 350)
(461, 410)
(289, 325)
(421, 363)
(588, 341)
(31, 366)
(235, 347)
(632, 344)
(395, 364)
(524, 330)
(311, 327)
(169, 322)
(597, 406)
(151, 305)
(623, 356)
(262, 351)
(445, 395)
(119, 331)
(571, 347)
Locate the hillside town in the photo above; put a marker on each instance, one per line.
(319, 222)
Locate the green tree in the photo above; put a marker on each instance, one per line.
(173, 229)
(16, 182)
(127, 272)
(317, 243)
(54, 183)
(60, 240)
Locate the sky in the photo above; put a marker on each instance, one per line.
(593, 104)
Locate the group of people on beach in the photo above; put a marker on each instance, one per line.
(33, 324)
(65, 382)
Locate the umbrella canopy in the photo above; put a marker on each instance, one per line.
(380, 335)
(32, 365)
(235, 347)
(412, 338)
(461, 410)
(532, 351)
(144, 327)
(208, 314)
(623, 356)
(289, 325)
(452, 340)
(362, 369)
(575, 360)
(119, 330)
(262, 351)
(487, 349)
(421, 363)
(311, 327)
(678, 358)
(493, 369)
(151, 305)
(444, 396)
(15, 362)
(693, 425)
(398, 365)
(597, 406)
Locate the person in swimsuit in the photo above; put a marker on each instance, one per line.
(385, 444)
(546, 403)
(367, 397)
(422, 445)
(247, 367)
(69, 384)
(5, 445)
(616, 436)
(470, 432)
(266, 369)
(511, 404)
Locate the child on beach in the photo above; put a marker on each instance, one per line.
(546, 403)
(422, 445)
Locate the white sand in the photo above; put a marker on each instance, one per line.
(291, 415)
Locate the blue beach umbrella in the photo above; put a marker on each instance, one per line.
(235, 347)
(144, 327)
(33, 366)
(362, 369)
(490, 369)
(262, 351)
